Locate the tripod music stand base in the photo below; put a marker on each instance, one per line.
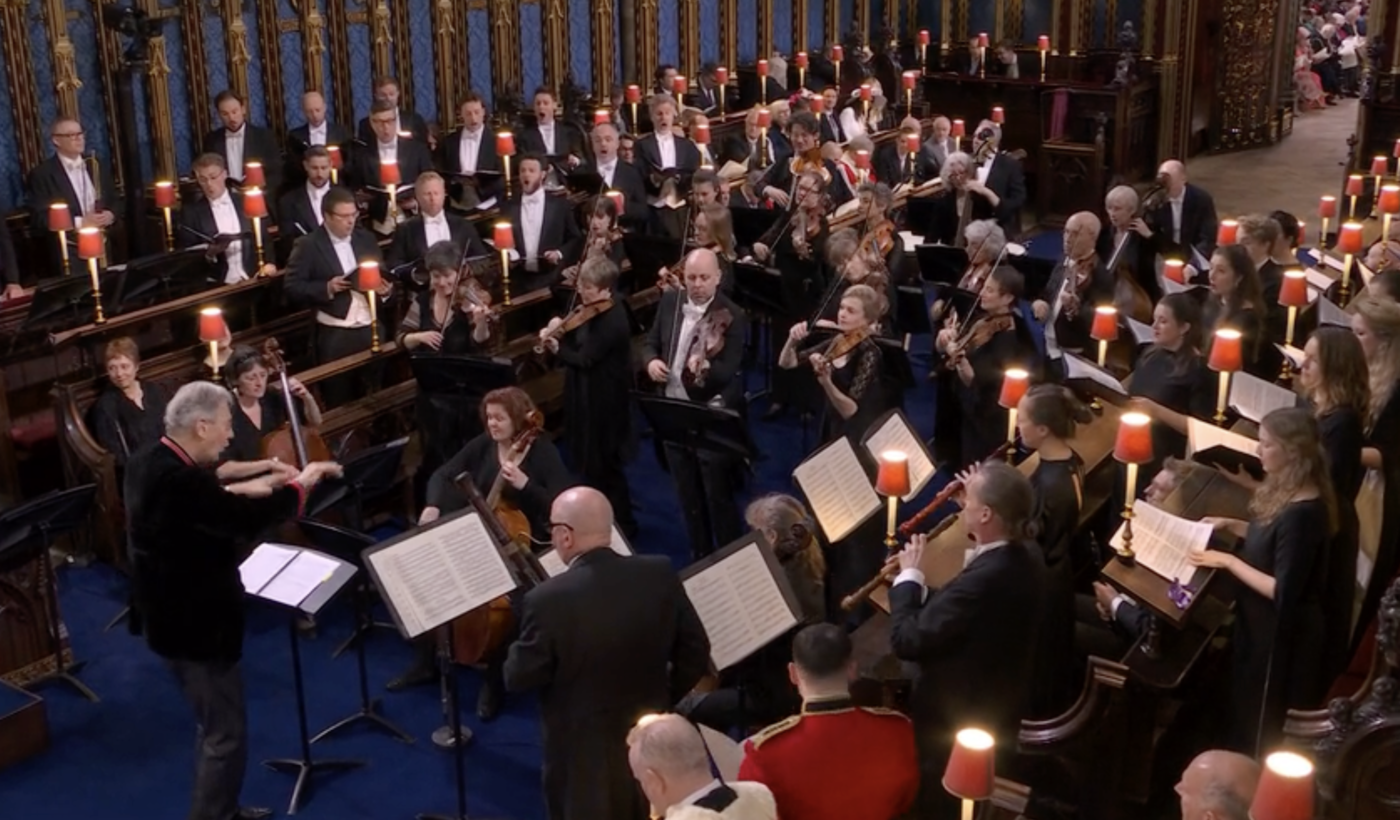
(65, 675)
(361, 633)
(304, 769)
(444, 739)
(366, 713)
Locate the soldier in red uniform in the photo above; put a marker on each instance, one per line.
(834, 760)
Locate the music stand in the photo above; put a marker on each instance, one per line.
(171, 272)
(347, 545)
(648, 254)
(911, 311)
(54, 297)
(941, 264)
(305, 766)
(1035, 270)
(26, 532)
(759, 291)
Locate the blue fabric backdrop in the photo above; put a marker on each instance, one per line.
(479, 52)
(581, 45)
(420, 36)
(531, 49)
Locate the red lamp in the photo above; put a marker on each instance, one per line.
(254, 203)
(1014, 384)
(1349, 239)
(1327, 207)
(700, 132)
(369, 276)
(505, 143)
(765, 118)
(971, 770)
(817, 104)
(1105, 327)
(618, 200)
(1043, 42)
(998, 115)
(336, 160)
(1285, 790)
(1228, 232)
(1379, 165)
(800, 60)
(678, 86)
(1226, 357)
(503, 237)
(982, 40)
(959, 129)
(389, 172)
(369, 282)
(838, 53)
(634, 92)
(1355, 186)
(911, 143)
(601, 116)
(1390, 199)
(253, 174)
(1292, 294)
(90, 243)
(721, 75)
(909, 79)
(892, 481)
(164, 194)
(60, 218)
(211, 331)
(862, 160)
(924, 38)
(1397, 148)
(1131, 447)
(865, 92)
(1175, 270)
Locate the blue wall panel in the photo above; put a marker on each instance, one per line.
(361, 94)
(931, 19)
(782, 26)
(532, 49)
(816, 26)
(479, 52)
(847, 21)
(420, 35)
(257, 93)
(185, 139)
(709, 32)
(216, 63)
(748, 31)
(581, 46)
(293, 68)
(42, 62)
(668, 33)
(11, 176)
(1098, 39)
(1037, 23)
(90, 99)
(980, 17)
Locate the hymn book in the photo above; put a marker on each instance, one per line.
(742, 597)
(837, 489)
(894, 432)
(1163, 542)
(289, 575)
(554, 565)
(1216, 446)
(1329, 314)
(1255, 398)
(431, 575)
(1142, 332)
(1077, 368)
(1294, 355)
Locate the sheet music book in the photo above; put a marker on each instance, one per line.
(1216, 446)
(1334, 262)
(742, 597)
(431, 575)
(1163, 542)
(1295, 355)
(1255, 398)
(1142, 332)
(554, 565)
(1079, 368)
(1172, 286)
(287, 575)
(733, 172)
(837, 488)
(1318, 279)
(910, 241)
(894, 432)
(1329, 314)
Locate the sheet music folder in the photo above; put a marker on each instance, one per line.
(295, 577)
(892, 431)
(742, 597)
(837, 489)
(432, 574)
(698, 426)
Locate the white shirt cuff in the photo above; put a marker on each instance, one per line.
(906, 575)
(1118, 600)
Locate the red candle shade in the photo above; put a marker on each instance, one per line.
(1175, 270)
(1379, 165)
(911, 143)
(1390, 199)
(336, 160)
(1294, 290)
(722, 75)
(910, 78)
(389, 172)
(369, 276)
(893, 476)
(211, 325)
(678, 86)
(971, 769)
(865, 92)
(634, 94)
(863, 160)
(1014, 385)
(1225, 353)
(817, 104)
(253, 174)
(837, 54)
(1355, 185)
(700, 132)
(618, 200)
(1133, 444)
(800, 60)
(1349, 238)
(763, 68)
(254, 203)
(1397, 148)
(1105, 327)
(165, 194)
(60, 218)
(998, 115)
(923, 37)
(90, 243)
(601, 116)
(959, 129)
(1043, 43)
(505, 143)
(1228, 233)
(982, 39)
(1327, 207)
(1285, 790)
(504, 236)
(765, 117)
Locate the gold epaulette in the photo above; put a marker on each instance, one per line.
(776, 729)
(880, 710)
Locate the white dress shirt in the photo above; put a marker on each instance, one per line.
(435, 229)
(547, 134)
(316, 134)
(532, 224)
(985, 169)
(78, 177)
(233, 151)
(468, 149)
(389, 151)
(226, 220)
(607, 169)
(358, 314)
(666, 147)
(1176, 217)
(315, 195)
(916, 575)
(691, 314)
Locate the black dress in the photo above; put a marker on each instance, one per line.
(1181, 383)
(1385, 437)
(982, 420)
(121, 427)
(446, 421)
(802, 284)
(1342, 433)
(1278, 643)
(1253, 340)
(547, 478)
(1058, 495)
(246, 444)
(858, 378)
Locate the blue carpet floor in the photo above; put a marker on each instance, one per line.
(130, 756)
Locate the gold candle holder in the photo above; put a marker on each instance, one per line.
(98, 317)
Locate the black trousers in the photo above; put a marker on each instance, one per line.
(336, 343)
(707, 486)
(215, 691)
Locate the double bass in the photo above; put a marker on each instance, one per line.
(292, 443)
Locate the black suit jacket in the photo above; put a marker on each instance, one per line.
(449, 160)
(299, 139)
(628, 180)
(831, 127)
(314, 263)
(1138, 258)
(295, 218)
(707, 100)
(259, 145)
(1198, 225)
(649, 159)
(606, 642)
(408, 121)
(364, 171)
(974, 642)
(199, 216)
(568, 139)
(725, 378)
(411, 240)
(49, 183)
(560, 231)
(738, 149)
(1008, 182)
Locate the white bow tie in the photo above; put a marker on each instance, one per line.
(692, 310)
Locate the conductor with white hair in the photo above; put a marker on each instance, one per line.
(187, 535)
(669, 759)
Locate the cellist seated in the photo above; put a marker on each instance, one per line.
(260, 413)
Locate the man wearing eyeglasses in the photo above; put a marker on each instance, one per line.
(67, 177)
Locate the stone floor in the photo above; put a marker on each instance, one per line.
(1289, 176)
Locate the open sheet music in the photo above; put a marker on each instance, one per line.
(285, 574)
(432, 575)
(742, 598)
(910, 241)
(733, 171)
(1079, 368)
(554, 565)
(1255, 398)
(1329, 314)
(837, 489)
(1318, 280)
(1214, 445)
(1162, 542)
(894, 432)
(1142, 332)
(1294, 355)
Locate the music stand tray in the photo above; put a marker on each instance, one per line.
(689, 424)
(177, 272)
(648, 254)
(750, 224)
(466, 376)
(758, 289)
(941, 264)
(54, 297)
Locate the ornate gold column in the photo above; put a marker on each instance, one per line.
(1081, 21)
(1016, 20)
(269, 44)
(196, 68)
(338, 21)
(403, 54)
(801, 33)
(833, 21)
(556, 43)
(65, 66)
(690, 37)
(892, 17)
(1057, 18)
(236, 45)
(728, 35)
(1149, 29)
(158, 98)
(313, 47)
(505, 46)
(765, 28)
(449, 47)
(24, 97)
(1110, 22)
(646, 42)
(1178, 49)
(604, 24)
(998, 21)
(945, 22)
(381, 41)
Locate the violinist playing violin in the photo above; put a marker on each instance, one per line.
(694, 352)
(594, 343)
(847, 367)
(453, 316)
(712, 229)
(258, 413)
(604, 238)
(854, 263)
(1078, 284)
(780, 181)
(879, 236)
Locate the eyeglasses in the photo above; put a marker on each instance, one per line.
(70, 135)
(553, 524)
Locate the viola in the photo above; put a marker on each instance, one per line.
(577, 318)
(291, 443)
(842, 345)
(706, 343)
(977, 334)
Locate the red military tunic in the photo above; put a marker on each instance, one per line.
(835, 761)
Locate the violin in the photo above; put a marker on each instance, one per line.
(982, 330)
(879, 241)
(470, 292)
(706, 343)
(577, 318)
(842, 345)
(291, 443)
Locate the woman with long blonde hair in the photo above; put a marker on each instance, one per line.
(1280, 570)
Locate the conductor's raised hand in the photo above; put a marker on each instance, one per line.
(657, 371)
(912, 556)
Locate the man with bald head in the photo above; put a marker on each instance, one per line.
(317, 130)
(609, 640)
(1079, 282)
(677, 365)
(1218, 785)
(1185, 220)
(669, 758)
(67, 177)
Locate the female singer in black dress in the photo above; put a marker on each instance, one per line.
(257, 411)
(1278, 632)
(1171, 381)
(851, 382)
(1376, 323)
(1235, 301)
(598, 381)
(130, 413)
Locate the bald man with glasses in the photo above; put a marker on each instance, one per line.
(67, 177)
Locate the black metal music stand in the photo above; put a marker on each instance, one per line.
(172, 274)
(758, 290)
(61, 300)
(750, 224)
(459, 735)
(26, 532)
(347, 545)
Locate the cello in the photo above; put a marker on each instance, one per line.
(292, 443)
